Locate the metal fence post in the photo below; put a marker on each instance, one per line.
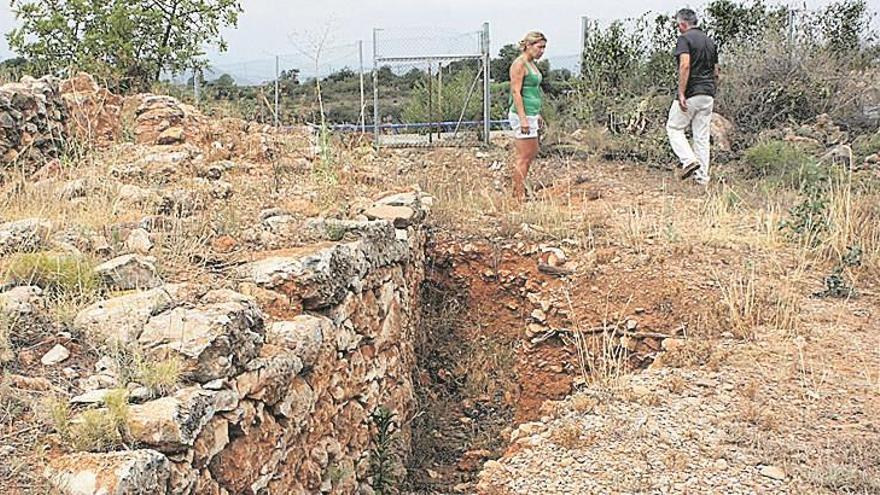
(361, 69)
(196, 85)
(585, 26)
(487, 107)
(376, 87)
(430, 103)
(277, 86)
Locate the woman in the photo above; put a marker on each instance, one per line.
(525, 108)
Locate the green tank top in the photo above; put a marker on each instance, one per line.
(531, 92)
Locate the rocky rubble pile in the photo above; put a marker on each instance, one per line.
(283, 375)
(37, 116)
(658, 432)
(834, 145)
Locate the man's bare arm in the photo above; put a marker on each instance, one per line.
(684, 73)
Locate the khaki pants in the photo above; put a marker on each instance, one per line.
(699, 118)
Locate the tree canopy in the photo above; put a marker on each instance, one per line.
(129, 43)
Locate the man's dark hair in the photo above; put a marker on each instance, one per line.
(688, 16)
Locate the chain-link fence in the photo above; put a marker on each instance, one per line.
(430, 89)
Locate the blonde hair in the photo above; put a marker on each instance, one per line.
(530, 39)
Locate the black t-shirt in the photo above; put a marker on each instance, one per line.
(704, 58)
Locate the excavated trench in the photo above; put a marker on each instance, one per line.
(495, 349)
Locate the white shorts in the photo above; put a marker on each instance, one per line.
(517, 126)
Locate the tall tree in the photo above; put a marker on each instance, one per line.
(129, 42)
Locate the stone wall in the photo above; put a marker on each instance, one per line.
(38, 116)
(284, 373)
(32, 120)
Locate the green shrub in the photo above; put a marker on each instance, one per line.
(57, 411)
(808, 220)
(384, 455)
(786, 163)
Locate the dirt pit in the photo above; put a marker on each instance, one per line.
(503, 335)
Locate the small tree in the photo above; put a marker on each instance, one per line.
(500, 68)
(128, 42)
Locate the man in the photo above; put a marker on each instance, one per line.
(697, 81)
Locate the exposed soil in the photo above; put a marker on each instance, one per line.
(482, 373)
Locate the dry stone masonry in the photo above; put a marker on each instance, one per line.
(41, 118)
(278, 398)
(32, 120)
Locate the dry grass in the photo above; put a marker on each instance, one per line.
(573, 436)
(487, 366)
(637, 228)
(743, 305)
(695, 352)
(61, 275)
(161, 378)
(7, 353)
(676, 384)
(94, 430)
(675, 460)
(758, 414)
(601, 358)
(69, 281)
(848, 468)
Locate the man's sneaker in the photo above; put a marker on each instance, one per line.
(689, 170)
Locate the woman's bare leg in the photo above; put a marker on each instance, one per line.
(526, 150)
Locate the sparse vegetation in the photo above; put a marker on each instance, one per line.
(160, 377)
(786, 163)
(743, 303)
(97, 430)
(61, 275)
(384, 453)
(713, 283)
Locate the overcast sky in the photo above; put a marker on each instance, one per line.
(274, 27)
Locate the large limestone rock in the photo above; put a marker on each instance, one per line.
(320, 276)
(721, 131)
(129, 272)
(163, 120)
(137, 472)
(122, 319)
(401, 209)
(303, 336)
(214, 340)
(267, 376)
(172, 424)
(400, 216)
(22, 301)
(23, 235)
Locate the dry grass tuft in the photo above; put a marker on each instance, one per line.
(572, 436)
(695, 352)
(161, 378)
(850, 467)
(742, 305)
